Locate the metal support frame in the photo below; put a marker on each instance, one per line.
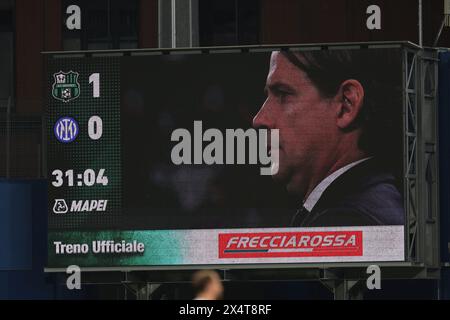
(420, 22)
(344, 282)
(438, 35)
(140, 291)
(345, 289)
(178, 23)
(420, 149)
(428, 183)
(410, 151)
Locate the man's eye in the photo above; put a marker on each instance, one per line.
(282, 94)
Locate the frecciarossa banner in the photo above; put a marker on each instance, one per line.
(226, 246)
(290, 244)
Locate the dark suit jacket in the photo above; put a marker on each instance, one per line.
(365, 195)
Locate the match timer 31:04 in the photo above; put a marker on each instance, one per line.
(88, 178)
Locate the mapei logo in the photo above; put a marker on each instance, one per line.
(65, 86)
(61, 207)
(290, 244)
(66, 129)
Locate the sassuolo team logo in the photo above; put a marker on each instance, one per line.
(66, 86)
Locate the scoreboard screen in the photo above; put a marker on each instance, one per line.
(231, 157)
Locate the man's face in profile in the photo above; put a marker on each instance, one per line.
(306, 123)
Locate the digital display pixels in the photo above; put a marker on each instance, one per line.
(226, 158)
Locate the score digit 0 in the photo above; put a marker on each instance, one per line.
(95, 127)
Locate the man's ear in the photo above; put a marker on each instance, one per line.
(350, 101)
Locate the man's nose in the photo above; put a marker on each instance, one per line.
(261, 120)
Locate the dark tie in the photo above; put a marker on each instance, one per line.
(299, 217)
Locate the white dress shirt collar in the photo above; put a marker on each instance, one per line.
(317, 192)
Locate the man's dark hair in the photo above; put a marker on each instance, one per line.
(201, 280)
(379, 71)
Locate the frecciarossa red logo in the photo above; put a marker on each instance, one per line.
(290, 244)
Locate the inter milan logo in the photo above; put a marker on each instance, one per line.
(66, 86)
(66, 129)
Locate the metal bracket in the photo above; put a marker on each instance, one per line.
(345, 289)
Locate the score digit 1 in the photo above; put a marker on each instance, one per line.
(95, 80)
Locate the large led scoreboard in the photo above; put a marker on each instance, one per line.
(232, 156)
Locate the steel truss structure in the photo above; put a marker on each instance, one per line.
(421, 158)
(421, 186)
